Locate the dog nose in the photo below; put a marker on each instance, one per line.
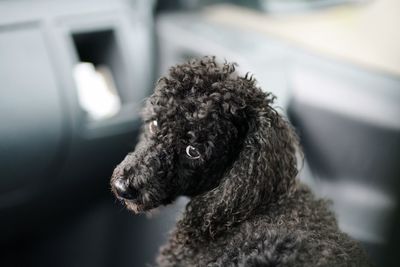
(123, 190)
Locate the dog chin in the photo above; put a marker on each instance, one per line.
(135, 207)
(138, 208)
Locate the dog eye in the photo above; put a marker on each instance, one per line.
(153, 127)
(192, 152)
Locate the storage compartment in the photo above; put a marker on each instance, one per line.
(100, 74)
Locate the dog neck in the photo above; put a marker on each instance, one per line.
(263, 173)
(202, 222)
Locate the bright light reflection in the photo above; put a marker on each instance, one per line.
(96, 90)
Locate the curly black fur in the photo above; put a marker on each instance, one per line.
(246, 207)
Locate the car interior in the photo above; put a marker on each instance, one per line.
(74, 76)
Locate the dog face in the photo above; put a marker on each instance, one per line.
(214, 136)
(192, 133)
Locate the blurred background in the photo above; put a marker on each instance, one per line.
(74, 74)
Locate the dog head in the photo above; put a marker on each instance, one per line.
(198, 127)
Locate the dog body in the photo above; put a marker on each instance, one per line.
(214, 136)
(299, 231)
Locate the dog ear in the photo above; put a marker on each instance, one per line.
(264, 172)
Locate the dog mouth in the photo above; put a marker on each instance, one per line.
(133, 191)
(137, 200)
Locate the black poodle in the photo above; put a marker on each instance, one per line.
(214, 136)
